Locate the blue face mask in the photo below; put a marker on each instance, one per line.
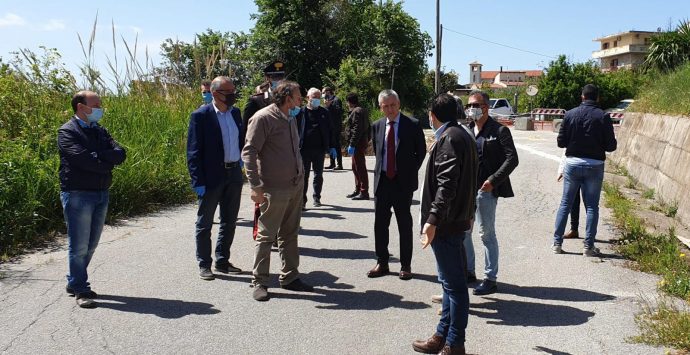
(208, 97)
(315, 103)
(274, 84)
(294, 111)
(95, 115)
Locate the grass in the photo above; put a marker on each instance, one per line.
(648, 194)
(661, 254)
(666, 94)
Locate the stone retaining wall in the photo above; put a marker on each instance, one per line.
(655, 149)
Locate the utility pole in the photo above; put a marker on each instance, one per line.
(437, 77)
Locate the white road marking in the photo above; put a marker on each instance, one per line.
(537, 152)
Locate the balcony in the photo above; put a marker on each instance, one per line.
(631, 48)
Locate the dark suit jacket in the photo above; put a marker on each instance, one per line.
(449, 195)
(256, 102)
(408, 157)
(359, 127)
(498, 157)
(323, 118)
(205, 155)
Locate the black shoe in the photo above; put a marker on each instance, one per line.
(205, 273)
(89, 294)
(229, 268)
(260, 293)
(487, 287)
(362, 196)
(338, 168)
(353, 194)
(317, 202)
(471, 278)
(329, 167)
(298, 285)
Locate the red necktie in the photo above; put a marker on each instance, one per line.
(390, 151)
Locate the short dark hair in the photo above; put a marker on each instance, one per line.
(327, 88)
(284, 89)
(206, 83)
(352, 98)
(444, 107)
(78, 98)
(590, 92)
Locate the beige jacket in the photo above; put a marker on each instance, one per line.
(271, 151)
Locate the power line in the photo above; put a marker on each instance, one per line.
(498, 44)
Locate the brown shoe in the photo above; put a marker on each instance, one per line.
(405, 275)
(430, 346)
(378, 271)
(571, 234)
(452, 350)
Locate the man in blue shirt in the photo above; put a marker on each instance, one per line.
(88, 155)
(213, 161)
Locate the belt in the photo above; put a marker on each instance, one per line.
(231, 165)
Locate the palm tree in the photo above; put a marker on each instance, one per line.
(669, 49)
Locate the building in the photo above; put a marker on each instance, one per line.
(623, 50)
(499, 79)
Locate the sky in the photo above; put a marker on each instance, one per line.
(515, 35)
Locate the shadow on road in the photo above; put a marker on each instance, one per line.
(353, 254)
(543, 349)
(315, 213)
(554, 293)
(329, 293)
(331, 234)
(350, 209)
(528, 314)
(162, 308)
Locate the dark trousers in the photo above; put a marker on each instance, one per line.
(390, 194)
(312, 159)
(227, 194)
(359, 168)
(451, 264)
(575, 212)
(338, 152)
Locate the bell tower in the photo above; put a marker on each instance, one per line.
(475, 73)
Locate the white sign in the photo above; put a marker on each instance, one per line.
(532, 90)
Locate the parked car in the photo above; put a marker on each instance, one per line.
(617, 111)
(500, 108)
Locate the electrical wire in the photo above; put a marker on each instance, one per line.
(496, 43)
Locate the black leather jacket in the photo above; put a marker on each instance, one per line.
(449, 195)
(497, 157)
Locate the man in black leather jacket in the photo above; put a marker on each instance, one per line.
(497, 159)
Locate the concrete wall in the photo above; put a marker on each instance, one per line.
(655, 149)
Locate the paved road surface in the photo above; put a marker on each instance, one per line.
(154, 302)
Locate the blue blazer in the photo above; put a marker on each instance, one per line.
(205, 155)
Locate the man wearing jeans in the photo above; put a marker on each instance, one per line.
(586, 134)
(447, 206)
(88, 155)
(497, 159)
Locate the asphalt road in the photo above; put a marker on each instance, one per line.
(154, 302)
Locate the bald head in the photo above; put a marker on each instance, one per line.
(82, 97)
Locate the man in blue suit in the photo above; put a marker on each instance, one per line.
(213, 158)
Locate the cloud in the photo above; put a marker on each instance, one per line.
(53, 25)
(11, 19)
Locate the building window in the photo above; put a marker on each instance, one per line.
(474, 78)
(614, 63)
(646, 41)
(615, 44)
(605, 45)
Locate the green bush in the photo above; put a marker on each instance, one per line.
(151, 125)
(666, 94)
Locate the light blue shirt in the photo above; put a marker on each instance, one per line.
(582, 161)
(396, 126)
(230, 133)
(440, 131)
(84, 124)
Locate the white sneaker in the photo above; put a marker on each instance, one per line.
(591, 251)
(557, 249)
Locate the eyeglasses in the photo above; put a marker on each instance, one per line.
(474, 105)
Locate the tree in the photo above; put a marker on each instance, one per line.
(449, 81)
(670, 49)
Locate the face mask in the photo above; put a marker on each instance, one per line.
(208, 97)
(294, 111)
(230, 99)
(315, 103)
(274, 84)
(433, 129)
(474, 113)
(95, 115)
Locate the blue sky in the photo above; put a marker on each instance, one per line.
(545, 27)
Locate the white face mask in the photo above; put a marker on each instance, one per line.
(474, 113)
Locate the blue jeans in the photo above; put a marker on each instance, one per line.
(485, 217)
(226, 195)
(588, 179)
(455, 307)
(84, 213)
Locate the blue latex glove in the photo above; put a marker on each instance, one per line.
(200, 191)
(241, 163)
(351, 150)
(333, 153)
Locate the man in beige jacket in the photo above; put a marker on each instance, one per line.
(274, 168)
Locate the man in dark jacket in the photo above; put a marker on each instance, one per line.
(358, 136)
(213, 159)
(273, 73)
(315, 141)
(497, 159)
(88, 155)
(335, 110)
(586, 134)
(448, 204)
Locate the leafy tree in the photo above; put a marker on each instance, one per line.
(449, 81)
(670, 49)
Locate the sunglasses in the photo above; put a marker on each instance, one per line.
(474, 105)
